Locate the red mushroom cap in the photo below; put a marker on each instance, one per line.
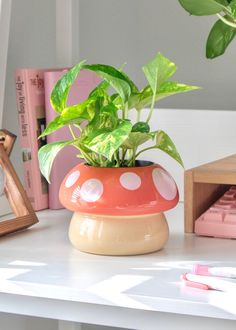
(119, 191)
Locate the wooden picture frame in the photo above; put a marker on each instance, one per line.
(14, 191)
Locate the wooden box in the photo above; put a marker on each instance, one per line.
(203, 185)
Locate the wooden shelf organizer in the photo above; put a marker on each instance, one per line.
(203, 185)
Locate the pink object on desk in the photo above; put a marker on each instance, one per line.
(220, 219)
(201, 270)
(205, 270)
(193, 284)
(67, 159)
(208, 283)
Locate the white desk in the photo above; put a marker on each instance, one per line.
(41, 274)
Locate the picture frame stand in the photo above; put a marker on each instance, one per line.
(14, 191)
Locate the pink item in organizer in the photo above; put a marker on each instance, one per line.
(220, 219)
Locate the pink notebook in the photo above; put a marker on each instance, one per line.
(31, 113)
(66, 159)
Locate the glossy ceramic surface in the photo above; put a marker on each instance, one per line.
(114, 235)
(119, 191)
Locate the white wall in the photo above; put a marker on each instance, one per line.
(133, 31)
(113, 32)
(32, 43)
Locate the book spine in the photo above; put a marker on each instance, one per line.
(31, 114)
(65, 160)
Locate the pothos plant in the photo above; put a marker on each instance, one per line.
(108, 137)
(224, 30)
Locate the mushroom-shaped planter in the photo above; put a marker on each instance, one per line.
(118, 211)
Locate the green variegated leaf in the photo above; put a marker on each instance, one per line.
(141, 126)
(135, 139)
(158, 70)
(100, 90)
(61, 90)
(82, 111)
(134, 88)
(219, 38)
(204, 7)
(53, 126)
(232, 7)
(164, 143)
(47, 154)
(168, 88)
(72, 115)
(106, 142)
(133, 100)
(114, 77)
(106, 118)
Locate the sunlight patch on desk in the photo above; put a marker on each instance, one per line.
(26, 263)
(113, 290)
(224, 300)
(178, 264)
(168, 265)
(150, 268)
(8, 286)
(9, 273)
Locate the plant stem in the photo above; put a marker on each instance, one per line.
(149, 148)
(124, 151)
(125, 111)
(117, 158)
(80, 129)
(101, 160)
(138, 115)
(72, 132)
(226, 21)
(227, 11)
(77, 147)
(129, 156)
(134, 156)
(88, 159)
(152, 107)
(132, 159)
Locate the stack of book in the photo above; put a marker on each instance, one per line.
(33, 90)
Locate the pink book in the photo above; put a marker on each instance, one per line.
(31, 113)
(66, 159)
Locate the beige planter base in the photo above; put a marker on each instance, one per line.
(114, 235)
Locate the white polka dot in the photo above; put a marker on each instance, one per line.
(75, 195)
(72, 178)
(130, 181)
(91, 190)
(164, 184)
